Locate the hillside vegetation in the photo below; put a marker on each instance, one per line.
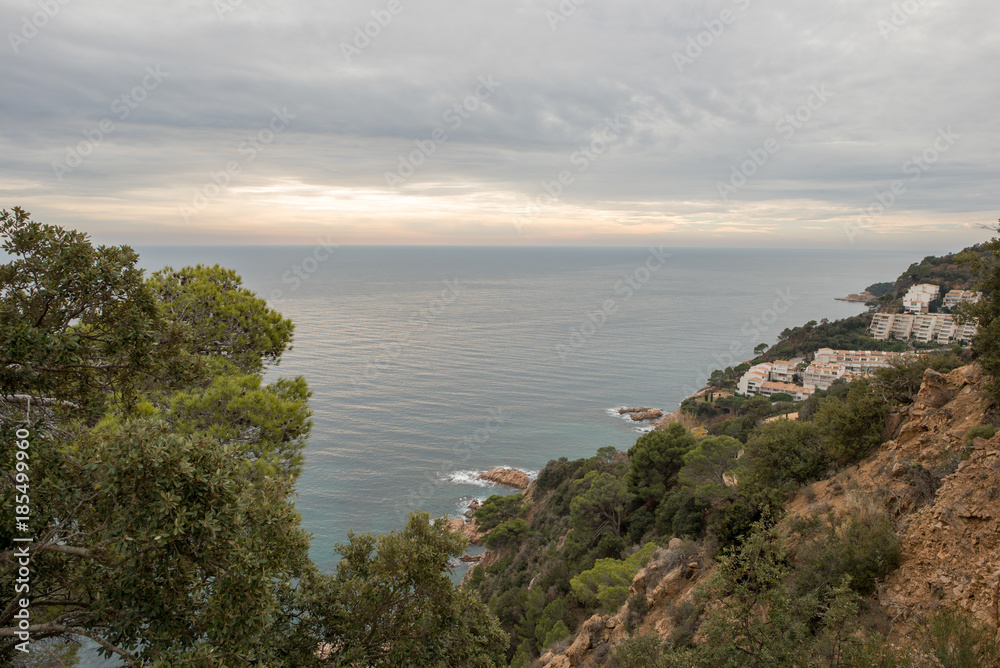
(160, 469)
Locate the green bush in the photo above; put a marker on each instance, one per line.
(900, 382)
(555, 472)
(609, 547)
(640, 522)
(606, 584)
(852, 425)
(980, 431)
(656, 458)
(508, 534)
(864, 548)
(558, 632)
(680, 514)
(958, 641)
(781, 396)
(498, 509)
(638, 652)
(785, 454)
(706, 466)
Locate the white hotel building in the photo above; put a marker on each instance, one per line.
(765, 379)
(940, 327)
(918, 298)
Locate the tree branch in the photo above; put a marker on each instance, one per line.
(52, 629)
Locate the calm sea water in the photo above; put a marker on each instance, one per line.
(430, 364)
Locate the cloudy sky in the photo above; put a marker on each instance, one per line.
(850, 123)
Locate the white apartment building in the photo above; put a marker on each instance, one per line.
(856, 361)
(754, 378)
(925, 327)
(783, 371)
(918, 297)
(820, 375)
(896, 325)
(955, 297)
(797, 392)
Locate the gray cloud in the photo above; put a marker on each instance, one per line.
(687, 123)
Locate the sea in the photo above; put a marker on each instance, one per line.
(429, 365)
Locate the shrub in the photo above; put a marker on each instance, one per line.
(558, 632)
(498, 509)
(638, 652)
(865, 548)
(958, 641)
(752, 504)
(640, 522)
(852, 425)
(606, 584)
(680, 515)
(900, 382)
(706, 465)
(555, 472)
(980, 431)
(656, 458)
(638, 606)
(785, 454)
(508, 534)
(610, 546)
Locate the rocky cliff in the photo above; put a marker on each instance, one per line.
(942, 489)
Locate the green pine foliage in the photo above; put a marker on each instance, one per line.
(163, 469)
(605, 586)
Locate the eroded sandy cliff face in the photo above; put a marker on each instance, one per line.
(942, 490)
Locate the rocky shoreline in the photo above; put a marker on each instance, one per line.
(467, 525)
(864, 297)
(508, 477)
(641, 414)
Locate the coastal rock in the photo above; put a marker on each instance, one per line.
(470, 558)
(509, 477)
(640, 414)
(860, 297)
(467, 528)
(473, 507)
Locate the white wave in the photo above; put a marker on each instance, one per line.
(472, 477)
(469, 478)
(465, 502)
(627, 417)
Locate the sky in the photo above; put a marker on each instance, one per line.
(760, 123)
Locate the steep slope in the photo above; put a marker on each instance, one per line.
(941, 488)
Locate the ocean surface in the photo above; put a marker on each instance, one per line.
(431, 364)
